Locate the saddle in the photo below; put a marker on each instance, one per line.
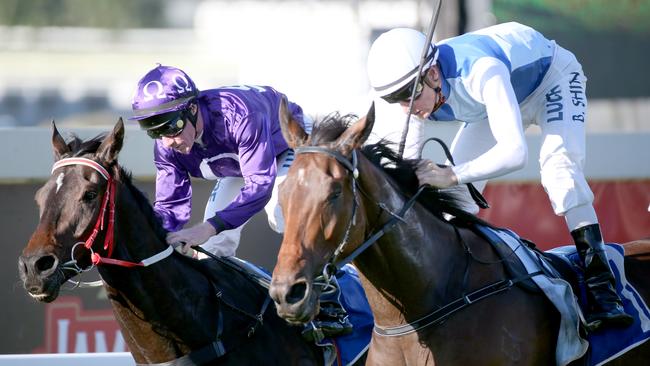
(562, 266)
(507, 256)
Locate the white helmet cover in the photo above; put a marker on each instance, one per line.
(394, 59)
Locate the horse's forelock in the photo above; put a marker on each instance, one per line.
(79, 147)
(330, 128)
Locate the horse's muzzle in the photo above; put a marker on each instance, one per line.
(295, 302)
(40, 276)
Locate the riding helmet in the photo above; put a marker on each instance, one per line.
(162, 90)
(394, 59)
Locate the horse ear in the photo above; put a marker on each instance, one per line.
(355, 136)
(58, 143)
(112, 144)
(292, 132)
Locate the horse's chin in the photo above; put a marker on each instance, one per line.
(49, 288)
(297, 319)
(45, 296)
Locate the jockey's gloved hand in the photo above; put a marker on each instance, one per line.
(435, 175)
(185, 249)
(195, 235)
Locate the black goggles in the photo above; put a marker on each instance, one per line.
(171, 128)
(404, 93)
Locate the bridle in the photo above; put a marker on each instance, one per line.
(215, 349)
(350, 165)
(333, 264)
(107, 209)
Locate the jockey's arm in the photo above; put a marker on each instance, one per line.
(489, 83)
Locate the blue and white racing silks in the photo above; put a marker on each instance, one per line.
(465, 62)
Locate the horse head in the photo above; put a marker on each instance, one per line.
(321, 208)
(72, 204)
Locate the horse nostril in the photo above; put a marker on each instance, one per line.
(296, 293)
(45, 263)
(22, 267)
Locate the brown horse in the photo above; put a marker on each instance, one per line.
(338, 200)
(169, 307)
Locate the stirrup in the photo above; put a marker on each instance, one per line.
(317, 330)
(312, 333)
(601, 321)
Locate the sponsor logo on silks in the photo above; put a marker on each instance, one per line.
(71, 329)
(554, 105)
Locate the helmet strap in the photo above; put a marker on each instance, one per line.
(187, 113)
(193, 118)
(440, 100)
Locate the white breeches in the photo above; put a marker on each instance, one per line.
(226, 189)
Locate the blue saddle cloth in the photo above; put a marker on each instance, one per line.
(604, 345)
(349, 347)
(353, 298)
(610, 343)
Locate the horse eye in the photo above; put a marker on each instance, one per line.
(336, 193)
(89, 195)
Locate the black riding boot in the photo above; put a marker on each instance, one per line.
(605, 307)
(332, 319)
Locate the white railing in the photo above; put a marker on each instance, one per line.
(69, 359)
(604, 152)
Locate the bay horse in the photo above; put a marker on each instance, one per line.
(170, 308)
(342, 200)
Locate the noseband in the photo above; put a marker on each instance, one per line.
(438, 315)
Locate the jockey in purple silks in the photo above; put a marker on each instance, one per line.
(231, 135)
(498, 81)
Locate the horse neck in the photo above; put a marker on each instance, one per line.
(420, 255)
(165, 295)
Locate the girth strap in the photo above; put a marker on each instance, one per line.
(200, 356)
(444, 312)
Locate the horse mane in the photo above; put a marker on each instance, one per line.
(401, 171)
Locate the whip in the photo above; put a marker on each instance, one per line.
(427, 44)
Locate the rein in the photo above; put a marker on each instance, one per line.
(216, 349)
(332, 265)
(108, 205)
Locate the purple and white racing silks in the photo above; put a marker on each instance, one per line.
(241, 138)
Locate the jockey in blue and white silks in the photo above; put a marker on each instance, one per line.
(498, 81)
